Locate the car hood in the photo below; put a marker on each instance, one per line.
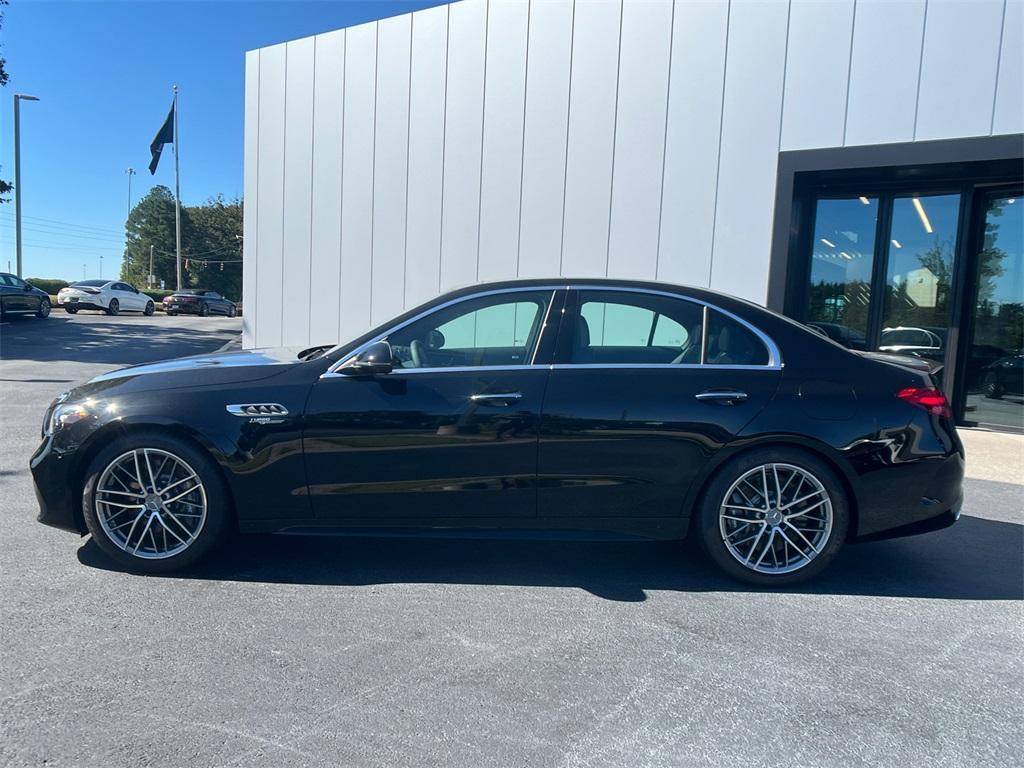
(217, 369)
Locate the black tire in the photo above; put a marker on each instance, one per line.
(219, 518)
(150, 309)
(232, 311)
(170, 313)
(44, 308)
(71, 310)
(204, 310)
(994, 390)
(114, 307)
(710, 534)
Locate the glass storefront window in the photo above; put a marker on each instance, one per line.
(995, 364)
(842, 257)
(919, 275)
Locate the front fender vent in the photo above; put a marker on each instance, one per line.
(257, 409)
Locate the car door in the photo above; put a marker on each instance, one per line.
(21, 298)
(7, 294)
(451, 432)
(129, 297)
(645, 388)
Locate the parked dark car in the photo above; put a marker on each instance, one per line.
(20, 298)
(1005, 377)
(640, 409)
(197, 301)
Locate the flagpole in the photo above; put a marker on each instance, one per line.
(177, 191)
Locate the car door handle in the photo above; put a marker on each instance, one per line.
(496, 398)
(724, 396)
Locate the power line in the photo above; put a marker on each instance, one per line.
(65, 224)
(58, 233)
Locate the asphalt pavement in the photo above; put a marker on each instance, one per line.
(296, 651)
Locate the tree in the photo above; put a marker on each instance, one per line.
(151, 223)
(214, 249)
(5, 187)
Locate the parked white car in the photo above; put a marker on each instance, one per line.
(110, 296)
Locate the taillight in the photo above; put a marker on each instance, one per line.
(929, 398)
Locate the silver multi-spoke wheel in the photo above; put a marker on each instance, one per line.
(776, 518)
(150, 503)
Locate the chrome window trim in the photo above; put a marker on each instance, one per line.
(774, 355)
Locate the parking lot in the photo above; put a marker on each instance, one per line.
(409, 652)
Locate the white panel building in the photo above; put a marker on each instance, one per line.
(704, 142)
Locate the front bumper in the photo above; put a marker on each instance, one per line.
(182, 309)
(53, 479)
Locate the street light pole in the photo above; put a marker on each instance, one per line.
(130, 172)
(18, 97)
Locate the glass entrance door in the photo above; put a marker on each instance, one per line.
(994, 369)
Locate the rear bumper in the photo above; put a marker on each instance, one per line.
(927, 525)
(65, 303)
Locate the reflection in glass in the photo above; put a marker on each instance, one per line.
(995, 367)
(919, 277)
(841, 259)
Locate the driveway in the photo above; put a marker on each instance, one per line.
(405, 652)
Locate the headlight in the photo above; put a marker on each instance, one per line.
(64, 415)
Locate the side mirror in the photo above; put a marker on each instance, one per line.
(375, 359)
(27, 287)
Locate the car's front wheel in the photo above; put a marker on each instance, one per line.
(44, 308)
(204, 309)
(232, 311)
(154, 503)
(113, 307)
(150, 309)
(773, 516)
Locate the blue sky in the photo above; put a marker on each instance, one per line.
(103, 72)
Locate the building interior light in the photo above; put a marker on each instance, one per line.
(829, 243)
(864, 200)
(845, 255)
(896, 243)
(922, 215)
(1011, 201)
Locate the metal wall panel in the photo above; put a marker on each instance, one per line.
(501, 169)
(298, 178)
(544, 133)
(357, 180)
(957, 92)
(593, 91)
(817, 73)
(884, 71)
(686, 236)
(426, 154)
(751, 122)
(639, 139)
(325, 216)
(391, 144)
(1008, 111)
(250, 239)
(266, 310)
(460, 212)
(481, 140)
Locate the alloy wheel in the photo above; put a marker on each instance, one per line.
(776, 518)
(150, 503)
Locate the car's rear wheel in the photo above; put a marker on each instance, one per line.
(773, 516)
(44, 308)
(71, 310)
(154, 503)
(113, 307)
(150, 309)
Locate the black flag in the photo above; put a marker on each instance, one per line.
(164, 136)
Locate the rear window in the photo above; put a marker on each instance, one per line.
(91, 283)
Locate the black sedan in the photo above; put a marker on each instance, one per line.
(20, 298)
(198, 301)
(640, 409)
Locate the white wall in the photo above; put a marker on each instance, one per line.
(391, 161)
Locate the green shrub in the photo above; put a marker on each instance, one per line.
(48, 284)
(157, 295)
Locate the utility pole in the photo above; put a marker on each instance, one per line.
(83, 271)
(130, 172)
(18, 98)
(101, 267)
(177, 190)
(149, 277)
